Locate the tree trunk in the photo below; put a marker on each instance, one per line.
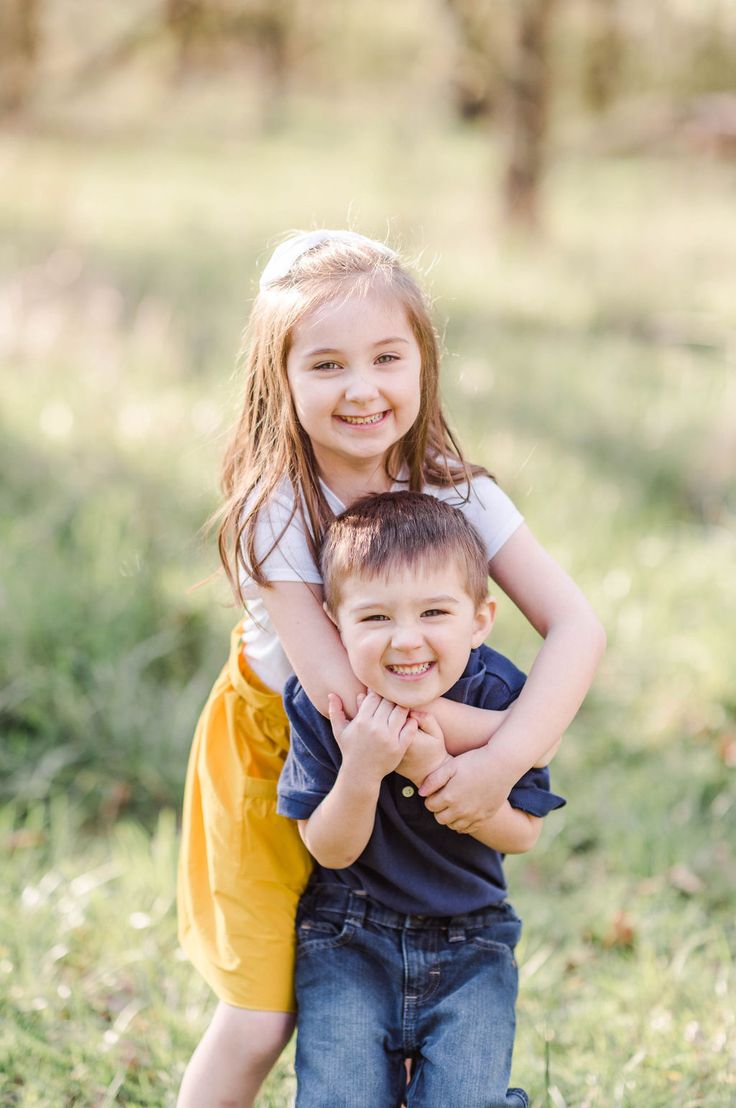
(19, 52)
(266, 29)
(527, 112)
(185, 20)
(603, 55)
(476, 77)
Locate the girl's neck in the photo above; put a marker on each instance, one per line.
(349, 482)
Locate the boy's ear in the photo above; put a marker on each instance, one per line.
(484, 618)
(328, 613)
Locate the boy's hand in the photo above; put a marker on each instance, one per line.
(374, 742)
(466, 792)
(426, 752)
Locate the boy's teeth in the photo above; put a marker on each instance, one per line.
(363, 419)
(406, 671)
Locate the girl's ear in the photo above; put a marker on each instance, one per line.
(483, 622)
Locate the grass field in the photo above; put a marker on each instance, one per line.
(592, 371)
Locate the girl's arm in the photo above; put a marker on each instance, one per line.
(574, 641)
(510, 830)
(558, 681)
(312, 644)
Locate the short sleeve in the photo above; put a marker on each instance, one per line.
(502, 680)
(532, 793)
(493, 514)
(281, 539)
(310, 768)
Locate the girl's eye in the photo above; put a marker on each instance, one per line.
(385, 359)
(327, 366)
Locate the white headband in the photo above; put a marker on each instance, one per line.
(287, 253)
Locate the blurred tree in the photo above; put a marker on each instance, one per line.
(476, 78)
(211, 33)
(603, 57)
(185, 22)
(268, 29)
(527, 111)
(19, 52)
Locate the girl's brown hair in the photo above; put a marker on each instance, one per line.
(269, 445)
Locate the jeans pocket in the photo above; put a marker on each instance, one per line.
(501, 937)
(487, 943)
(318, 933)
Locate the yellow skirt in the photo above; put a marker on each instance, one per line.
(242, 867)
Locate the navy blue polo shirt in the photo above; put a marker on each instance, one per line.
(411, 862)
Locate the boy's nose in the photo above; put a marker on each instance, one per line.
(406, 638)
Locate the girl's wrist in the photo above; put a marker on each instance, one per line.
(504, 764)
(421, 773)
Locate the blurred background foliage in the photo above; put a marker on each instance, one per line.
(563, 176)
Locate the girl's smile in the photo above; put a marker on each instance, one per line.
(354, 371)
(363, 421)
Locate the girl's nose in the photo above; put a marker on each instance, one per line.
(360, 388)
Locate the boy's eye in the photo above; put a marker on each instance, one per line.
(373, 619)
(434, 612)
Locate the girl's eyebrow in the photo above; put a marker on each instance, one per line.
(334, 350)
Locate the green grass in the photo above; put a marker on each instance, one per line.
(590, 370)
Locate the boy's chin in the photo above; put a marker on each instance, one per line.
(408, 696)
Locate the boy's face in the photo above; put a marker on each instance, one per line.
(408, 638)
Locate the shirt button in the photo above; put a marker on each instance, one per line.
(407, 791)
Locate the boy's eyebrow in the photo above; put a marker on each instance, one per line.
(424, 602)
(335, 350)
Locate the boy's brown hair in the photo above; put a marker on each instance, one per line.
(396, 530)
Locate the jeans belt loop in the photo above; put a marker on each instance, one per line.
(356, 908)
(455, 932)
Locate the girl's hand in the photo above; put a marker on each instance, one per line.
(374, 742)
(427, 750)
(468, 791)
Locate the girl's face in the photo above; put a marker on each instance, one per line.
(354, 371)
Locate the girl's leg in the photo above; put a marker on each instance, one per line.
(234, 1056)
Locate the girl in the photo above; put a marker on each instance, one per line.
(341, 400)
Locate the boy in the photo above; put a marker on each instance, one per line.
(405, 940)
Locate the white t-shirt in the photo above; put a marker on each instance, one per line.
(489, 509)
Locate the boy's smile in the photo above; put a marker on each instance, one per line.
(408, 635)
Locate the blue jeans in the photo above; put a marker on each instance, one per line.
(375, 987)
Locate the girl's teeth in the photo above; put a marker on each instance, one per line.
(362, 419)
